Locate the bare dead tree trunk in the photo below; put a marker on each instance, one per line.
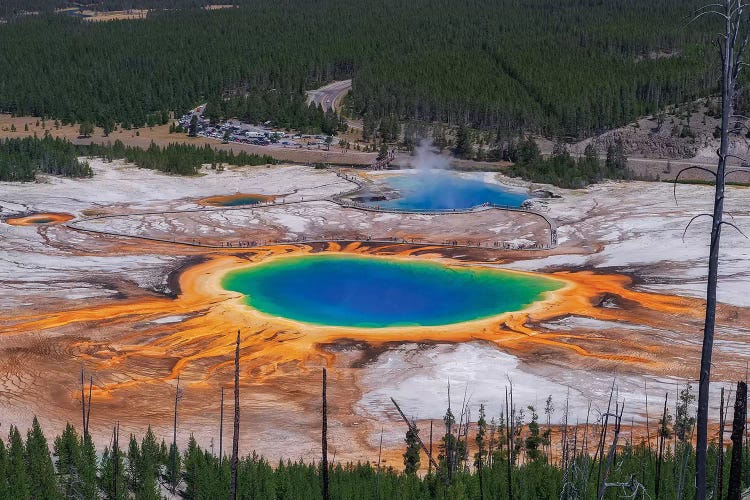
(586, 449)
(648, 431)
(429, 455)
(449, 442)
(83, 406)
(466, 438)
(660, 447)
(459, 431)
(731, 62)
(611, 454)
(603, 435)
(512, 427)
(236, 432)
(88, 407)
(380, 453)
(586, 431)
(738, 429)
(566, 432)
(509, 443)
(116, 455)
(324, 443)
(747, 437)
(491, 445)
(174, 438)
(686, 453)
(221, 428)
(479, 468)
(719, 486)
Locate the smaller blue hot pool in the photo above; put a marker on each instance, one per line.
(429, 190)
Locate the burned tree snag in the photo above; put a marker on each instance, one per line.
(236, 432)
(719, 486)
(221, 428)
(731, 44)
(88, 407)
(324, 442)
(738, 429)
(83, 406)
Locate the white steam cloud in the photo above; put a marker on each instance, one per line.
(427, 158)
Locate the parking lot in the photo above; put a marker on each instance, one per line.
(235, 131)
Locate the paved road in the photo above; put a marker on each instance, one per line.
(329, 96)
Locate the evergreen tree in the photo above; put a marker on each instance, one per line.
(4, 472)
(534, 439)
(464, 147)
(134, 461)
(193, 462)
(528, 151)
(87, 470)
(481, 454)
(439, 139)
(41, 472)
(148, 467)
(107, 476)
(68, 453)
(411, 456)
(383, 152)
(18, 480)
(684, 419)
(86, 129)
(616, 159)
(193, 128)
(368, 126)
(108, 126)
(67, 449)
(448, 446)
(173, 465)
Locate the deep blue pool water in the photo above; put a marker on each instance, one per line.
(440, 190)
(375, 292)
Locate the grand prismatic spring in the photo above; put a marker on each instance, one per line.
(343, 290)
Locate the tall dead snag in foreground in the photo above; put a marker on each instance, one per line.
(88, 406)
(221, 428)
(738, 428)
(116, 462)
(731, 45)
(236, 433)
(612, 450)
(324, 441)
(173, 450)
(509, 444)
(83, 405)
(719, 486)
(380, 454)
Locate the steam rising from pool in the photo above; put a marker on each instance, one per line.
(427, 158)
(431, 186)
